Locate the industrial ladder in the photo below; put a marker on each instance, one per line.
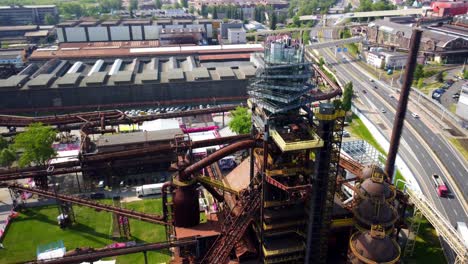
(413, 233)
(234, 227)
(443, 227)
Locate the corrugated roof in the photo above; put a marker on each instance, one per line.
(137, 137)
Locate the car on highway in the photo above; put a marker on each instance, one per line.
(364, 91)
(391, 96)
(375, 86)
(371, 80)
(415, 115)
(383, 110)
(440, 186)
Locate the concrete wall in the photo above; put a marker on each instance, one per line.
(75, 34)
(121, 94)
(98, 34)
(119, 33)
(152, 32)
(137, 33)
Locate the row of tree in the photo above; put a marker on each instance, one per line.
(34, 146)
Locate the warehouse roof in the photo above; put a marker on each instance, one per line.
(96, 78)
(39, 33)
(69, 79)
(14, 81)
(138, 137)
(122, 77)
(198, 74)
(42, 80)
(149, 76)
(225, 72)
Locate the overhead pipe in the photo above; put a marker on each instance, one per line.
(221, 153)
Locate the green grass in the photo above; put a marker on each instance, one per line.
(358, 129)
(38, 226)
(459, 146)
(353, 49)
(427, 248)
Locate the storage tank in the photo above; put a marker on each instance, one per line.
(96, 67)
(76, 66)
(115, 67)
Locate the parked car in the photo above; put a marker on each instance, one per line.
(383, 110)
(346, 133)
(97, 196)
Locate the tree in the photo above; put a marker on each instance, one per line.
(204, 11)
(347, 96)
(185, 3)
(273, 21)
(215, 13)
(50, 19)
(337, 103)
(306, 37)
(3, 143)
(418, 72)
(321, 61)
(157, 4)
(191, 10)
(296, 21)
(133, 5)
(176, 5)
(35, 144)
(465, 74)
(420, 83)
(7, 157)
(440, 77)
(240, 120)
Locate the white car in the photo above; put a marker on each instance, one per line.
(415, 115)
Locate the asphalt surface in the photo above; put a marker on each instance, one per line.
(412, 150)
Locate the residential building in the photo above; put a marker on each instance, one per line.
(26, 15)
(237, 36)
(226, 26)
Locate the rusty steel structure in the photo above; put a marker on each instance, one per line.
(403, 103)
(294, 179)
(150, 218)
(101, 118)
(91, 254)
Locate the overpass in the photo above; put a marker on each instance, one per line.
(384, 13)
(339, 42)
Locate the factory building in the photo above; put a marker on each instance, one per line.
(153, 80)
(26, 15)
(132, 30)
(438, 46)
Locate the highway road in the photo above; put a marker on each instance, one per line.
(419, 143)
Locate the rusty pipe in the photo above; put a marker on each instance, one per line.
(402, 103)
(184, 175)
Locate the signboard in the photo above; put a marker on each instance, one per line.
(338, 49)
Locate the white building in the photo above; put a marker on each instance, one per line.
(375, 59)
(387, 59)
(237, 36)
(462, 106)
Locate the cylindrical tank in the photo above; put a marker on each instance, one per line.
(186, 207)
